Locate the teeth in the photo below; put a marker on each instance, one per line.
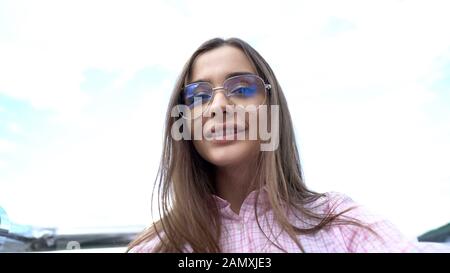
(225, 135)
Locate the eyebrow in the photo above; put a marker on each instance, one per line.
(229, 75)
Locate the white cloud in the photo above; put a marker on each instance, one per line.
(99, 174)
(3, 164)
(15, 128)
(44, 61)
(7, 146)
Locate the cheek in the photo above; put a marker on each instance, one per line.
(200, 146)
(195, 127)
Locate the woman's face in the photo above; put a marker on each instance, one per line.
(215, 66)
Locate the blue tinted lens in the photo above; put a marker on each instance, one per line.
(197, 94)
(248, 91)
(189, 90)
(244, 86)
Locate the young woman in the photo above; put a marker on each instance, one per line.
(223, 193)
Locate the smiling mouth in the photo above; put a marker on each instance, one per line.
(226, 135)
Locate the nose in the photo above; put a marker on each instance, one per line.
(219, 103)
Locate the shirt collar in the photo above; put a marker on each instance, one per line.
(247, 207)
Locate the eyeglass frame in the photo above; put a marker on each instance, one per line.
(267, 88)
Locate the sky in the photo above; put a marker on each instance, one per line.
(84, 87)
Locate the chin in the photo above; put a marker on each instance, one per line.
(227, 154)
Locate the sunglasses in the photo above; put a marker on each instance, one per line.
(247, 89)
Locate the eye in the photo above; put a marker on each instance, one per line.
(244, 91)
(197, 94)
(197, 99)
(202, 96)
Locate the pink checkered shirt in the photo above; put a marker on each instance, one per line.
(241, 234)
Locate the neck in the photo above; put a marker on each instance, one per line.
(234, 183)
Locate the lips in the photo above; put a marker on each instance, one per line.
(223, 134)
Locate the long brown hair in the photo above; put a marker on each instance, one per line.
(185, 181)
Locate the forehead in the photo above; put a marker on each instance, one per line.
(214, 65)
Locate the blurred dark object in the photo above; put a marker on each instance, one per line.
(439, 235)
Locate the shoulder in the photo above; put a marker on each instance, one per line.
(376, 233)
(145, 247)
(151, 245)
(148, 245)
(337, 202)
